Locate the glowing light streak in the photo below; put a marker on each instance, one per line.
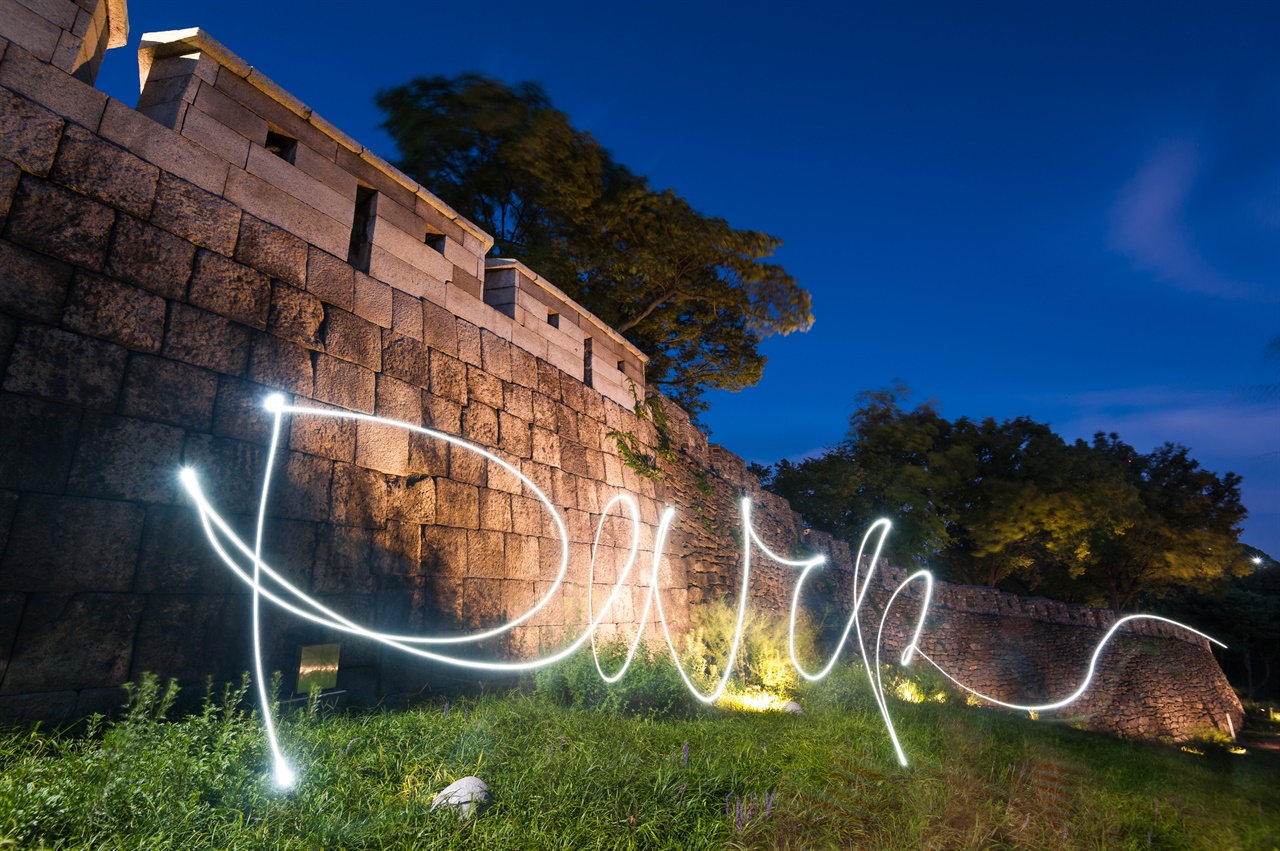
(260, 573)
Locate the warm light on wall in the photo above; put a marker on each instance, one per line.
(247, 563)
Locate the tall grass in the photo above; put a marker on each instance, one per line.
(617, 776)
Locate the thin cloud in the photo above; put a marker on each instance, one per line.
(1148, 224)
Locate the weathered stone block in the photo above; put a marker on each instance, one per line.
(32, 286)
(295, 315)
(441, 414)
(59, 223)
(176, 556)
(124, 458)
(353, 339)
(329, 279)
(483, 388)
(185, 636)
(495, 354)
(406, 314)
(517, 401)
(65, 367)
(10, 174)
(272, 251)
(373, 300)
(548, 380)
(48, 707)
(149, 257)
(230, 289)
(469, 343)
(545, 412)
(359, 495)
(195, 215)
(526, 516)
(448, 377)
(327, 437)
(439, 328)
(343, 562)
(545, 447)
(495, 510)
(513, 435)
(480, 424)
(382, 447)
(169, 392)
(281, 364)
(29, 133)
(524, 368)
(398, 400)
(444, 551)
(97, 168)
(346, 385)
(205, 339)
(121, 313)
(487, 553)
(230, 472)
(301, 489)
(66, 544)
(40, 441)
(457, 504)
(428, 456)
(404, 358)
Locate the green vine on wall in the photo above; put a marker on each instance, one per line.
(630, 450)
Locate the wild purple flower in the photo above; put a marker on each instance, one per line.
(446, 709)
(768, 802)
(728, 812)
(680, 791)
(684, 757)
(738, 819)
(1026, 821)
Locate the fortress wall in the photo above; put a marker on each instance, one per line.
(163, 269)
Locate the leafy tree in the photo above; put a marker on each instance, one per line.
(692, 292)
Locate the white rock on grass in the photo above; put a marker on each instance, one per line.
(466, 796)
(792, 707)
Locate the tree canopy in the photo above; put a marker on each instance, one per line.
(1012, 505)
(690, 291)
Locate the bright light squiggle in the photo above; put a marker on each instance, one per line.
(258, 574)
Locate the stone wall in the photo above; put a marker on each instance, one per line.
(163, 269)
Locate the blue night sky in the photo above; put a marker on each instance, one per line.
(1069, 211)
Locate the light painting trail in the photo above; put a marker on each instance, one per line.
(247, 563)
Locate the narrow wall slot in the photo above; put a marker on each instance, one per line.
(358, 253)
(553, 319)
(435, 241)
(284, 147)
(586, 361)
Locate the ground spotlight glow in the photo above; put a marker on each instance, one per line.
(266, 583)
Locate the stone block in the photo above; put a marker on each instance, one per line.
(406, 314)
(217, 105)
(125, 458)
(353, 339)
(480, 424)
(467, 282)
(10, 174)
(185, 209)
(398, 400)
(483, 388)
(169, 392)
(48, 707)
(468, 466)
(150, 258)
(413, 500)
(121, 313)
(60, 223)
(518, 401)
(404, 358)
(186, 636)
(65, 367)
(495, 510)
(295, 315)
(496, 355)
(270, 203)
(373, 300)
(301, 487)
(8, 333)
(441, 414)
(564, 489)
(272, 251)
(206, 339)
(548, 380)
(66, 544)
(382, 447)
(51, 87)
(513, 435)
(40, 441)
(439, 328)
(526, 516)
(524, 368)
(428, 456)
(327, 437)
(32, 286)
(343, 562)
(231, 289)
(503, 479)
(457, 504)
(205, 131)
(291, 547)
(329, 279)
(281, 364)
(545, 412)
(567, 428)
(444, 551)
(324, 170)
(346, 385)
(487, 558)
(469, 343)
(29, 133)
(297, 184)
(73, 641)
(545, 447)
(99, 169)
(176, 557)
(449, 378)
(359, 495)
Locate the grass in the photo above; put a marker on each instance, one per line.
(582, 777)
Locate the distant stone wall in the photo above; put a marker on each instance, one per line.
(162, 270)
